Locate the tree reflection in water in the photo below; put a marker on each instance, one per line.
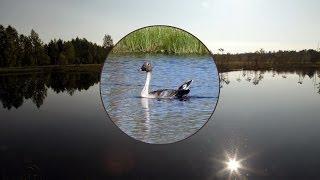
(256, 76)
(15, 89)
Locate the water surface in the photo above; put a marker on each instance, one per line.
(154, 120)
(270, 119)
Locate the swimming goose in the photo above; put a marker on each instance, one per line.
(182, 91)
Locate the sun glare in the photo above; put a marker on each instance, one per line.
(233, 165)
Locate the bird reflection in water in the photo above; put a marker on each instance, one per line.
(145, 107)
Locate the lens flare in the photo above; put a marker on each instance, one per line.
(233, 165)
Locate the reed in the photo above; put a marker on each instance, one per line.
(160, 39)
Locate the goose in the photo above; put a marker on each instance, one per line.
(180, 92)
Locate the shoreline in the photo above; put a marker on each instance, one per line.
(222, 67)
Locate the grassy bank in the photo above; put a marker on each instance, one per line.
(66, 68)
(160, 39)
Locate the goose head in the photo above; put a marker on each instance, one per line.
(146, 67)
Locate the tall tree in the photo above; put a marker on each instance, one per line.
(25, 51)
(11, 45)
(107, 41)
(53, 51)
(38, 52)
(69, 52)
(2, 45)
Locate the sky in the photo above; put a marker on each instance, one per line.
(235, 25)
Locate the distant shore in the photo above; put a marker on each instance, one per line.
(268, 60)
(222, 67)
(225, 62)
(21, 53)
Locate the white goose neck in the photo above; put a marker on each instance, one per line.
(145, 90)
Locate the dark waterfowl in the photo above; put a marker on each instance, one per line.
(180, 92)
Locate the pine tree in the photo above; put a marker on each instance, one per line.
(2, 45)
(11, 45)
(69, 52)
(38, 52)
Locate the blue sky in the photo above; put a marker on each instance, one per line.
(235, 25)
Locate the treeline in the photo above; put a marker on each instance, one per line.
(18, 50)
(269, 60)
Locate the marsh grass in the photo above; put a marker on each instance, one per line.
(160, 39)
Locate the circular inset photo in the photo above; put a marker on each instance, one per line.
(159, 84)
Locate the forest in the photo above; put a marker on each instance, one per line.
(18, 50)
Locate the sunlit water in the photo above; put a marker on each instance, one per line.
(270, 123)
(155, 120)
(271, 120)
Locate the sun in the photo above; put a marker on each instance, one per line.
(233, 165)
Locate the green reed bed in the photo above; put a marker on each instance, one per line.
(160, 39)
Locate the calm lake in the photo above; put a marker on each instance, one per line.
(153, 120)
(54, 126)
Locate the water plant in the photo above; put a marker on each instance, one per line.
(160, 39)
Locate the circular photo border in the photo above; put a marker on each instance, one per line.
(169, 143)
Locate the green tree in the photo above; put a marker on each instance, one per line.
(39, 56)
(11, 45)
(53, 51)
(62, 59)
(25, 50)
(107, 41)
(69, 52)
(2, 46)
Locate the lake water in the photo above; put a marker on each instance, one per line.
(159, 121)
(55, 127)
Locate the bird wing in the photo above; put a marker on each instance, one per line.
(164, 93)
